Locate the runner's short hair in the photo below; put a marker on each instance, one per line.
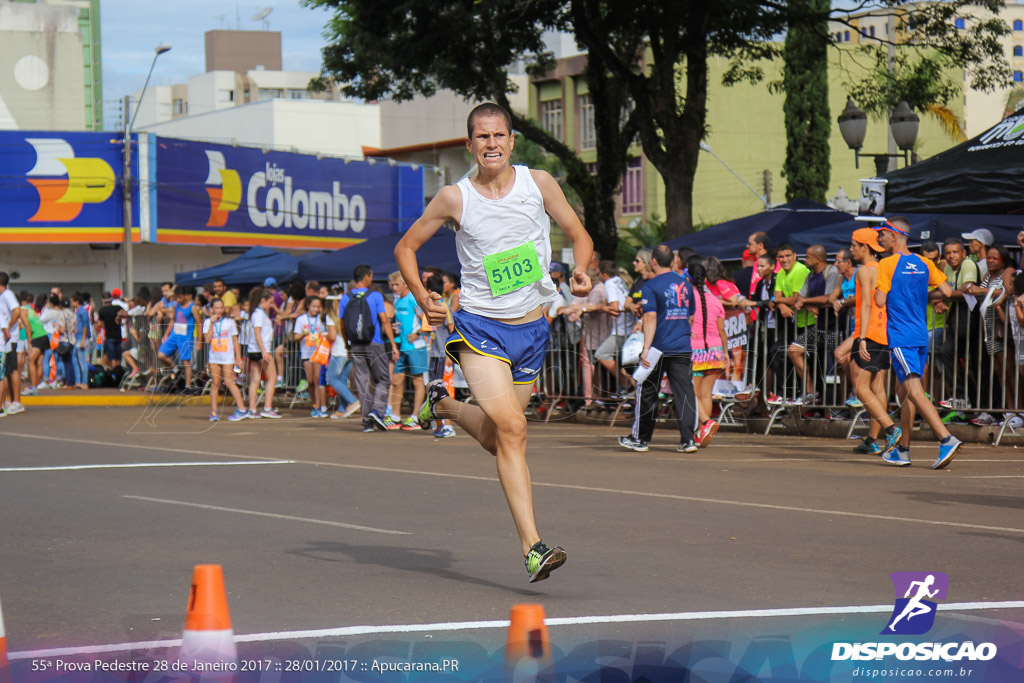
(487, 109)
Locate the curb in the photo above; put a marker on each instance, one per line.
(112, 401)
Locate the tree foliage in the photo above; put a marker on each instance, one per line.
(921, 57)
(401, 48)
(648, 63)
(808, 123)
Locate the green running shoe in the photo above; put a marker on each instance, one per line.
(436, 392)
(303, 385)
(542, 560)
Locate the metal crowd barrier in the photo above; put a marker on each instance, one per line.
(975, 359)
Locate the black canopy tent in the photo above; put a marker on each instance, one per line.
(980, 176)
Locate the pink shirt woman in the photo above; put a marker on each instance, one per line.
(716, 311)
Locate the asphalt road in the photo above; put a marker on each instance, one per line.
(401, 529)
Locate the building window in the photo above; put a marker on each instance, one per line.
(296, 94)
(871, 30)
(588, 134)
(179, 106)
(271, 93)
(551, 117)
(225, 95)
(846, 36)
(1018, 51)
(1018, 25)
(633, 188)
(960, 23)
(1018, 77)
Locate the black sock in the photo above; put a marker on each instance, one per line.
(946, 440)
(868, 440)
(890, 429)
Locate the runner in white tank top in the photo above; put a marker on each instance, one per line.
(501, 336)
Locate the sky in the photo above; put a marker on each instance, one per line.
(131, 29)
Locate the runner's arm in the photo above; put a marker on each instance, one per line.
(445, 206)
(558, 208)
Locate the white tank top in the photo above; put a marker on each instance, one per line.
(491, 226)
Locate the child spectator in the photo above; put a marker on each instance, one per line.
(309, 329)
(261, 344)
(221, 337)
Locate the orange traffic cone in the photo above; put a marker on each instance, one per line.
(208, 637)
(527, 635)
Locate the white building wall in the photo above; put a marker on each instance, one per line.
(310, 126)
(154, 107)
(41, 68)
(203, 92)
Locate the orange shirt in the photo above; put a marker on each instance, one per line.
(877, 321)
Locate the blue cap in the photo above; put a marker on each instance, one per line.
(270, 282)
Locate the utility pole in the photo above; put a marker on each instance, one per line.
(767, 189)
(126, 192)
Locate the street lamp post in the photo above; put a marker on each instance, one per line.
(903, 123)
(126, 175)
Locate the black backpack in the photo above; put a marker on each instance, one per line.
(359, 326)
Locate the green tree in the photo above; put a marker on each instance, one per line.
(922, 58)
(401, 48)
(808, 123)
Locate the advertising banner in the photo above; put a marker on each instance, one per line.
(225, 195)
(60, 187)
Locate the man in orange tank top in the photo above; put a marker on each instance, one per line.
(870, 346)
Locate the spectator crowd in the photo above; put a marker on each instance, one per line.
(679, 334)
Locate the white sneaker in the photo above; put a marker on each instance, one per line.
(984, 420)
(42, 385)
(15, 408)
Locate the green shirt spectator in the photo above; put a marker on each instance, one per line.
(790, 283)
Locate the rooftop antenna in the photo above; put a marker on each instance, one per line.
(223, 20)
(262, 16)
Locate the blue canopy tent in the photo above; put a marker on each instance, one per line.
(252, 267)
(379, 254)
(785, 223)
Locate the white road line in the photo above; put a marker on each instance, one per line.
(134, 446)
(690, 499)
(648, 494)
(477, 625)
(1006, 476)
(270, 514)
(131, 465)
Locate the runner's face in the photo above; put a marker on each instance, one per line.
(492, 142)
(886, 239)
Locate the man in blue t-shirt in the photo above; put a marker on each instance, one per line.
(666, 301)
(370, 361)
(903, 286)
(412, 352)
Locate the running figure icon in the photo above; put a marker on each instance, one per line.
(915, 607)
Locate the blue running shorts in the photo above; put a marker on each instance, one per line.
(412, 362)
(908, 360)
(181, 344)
(523, 347)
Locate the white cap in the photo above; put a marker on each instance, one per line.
(982, 235)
